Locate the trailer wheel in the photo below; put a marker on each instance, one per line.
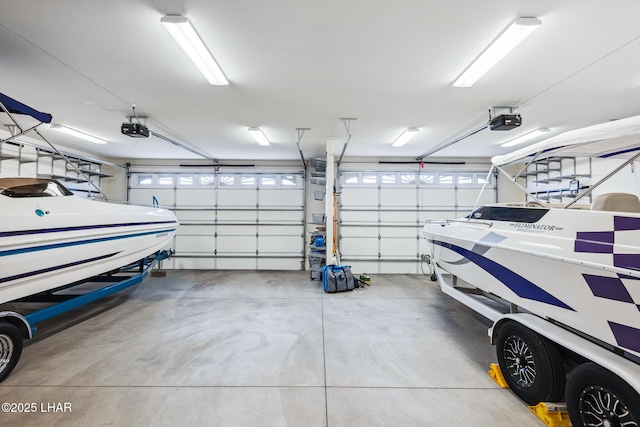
(596, 397)
(530, 364)
(10, 348)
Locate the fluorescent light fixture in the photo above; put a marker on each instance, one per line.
(78, 134)
(257, 134)
(405, 137)
(526, 137)
(184, 34)
(505, 43)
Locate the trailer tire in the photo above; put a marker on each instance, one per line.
(595, 396)
(10, 348)
(531, 364)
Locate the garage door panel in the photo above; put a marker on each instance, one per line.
(237, 230)
(398, 217)
(468, 196)
(359, 197)
(348, 232)
(438, 197)
(195, 244)
(403, 209)
(360, 246)
(282, 231)
(236, 263)
(399, 232)
(234, 216)
(236, 244)
(195, 215)
(424, 216)
(409, 267)
(359, 216)
(392, 247)
(220, 212)
(280, 198)
(401, 197)
(237, 197)
(194, 263)
(278, 244)
(369, 267)
(281, 216)
(278, 264)
(201, 230)
(165, 196)
(196, 197)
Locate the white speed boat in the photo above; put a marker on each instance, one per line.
(568, 272)
(577, 264)
(50, 238)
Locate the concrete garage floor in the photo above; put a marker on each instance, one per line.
(235, 348)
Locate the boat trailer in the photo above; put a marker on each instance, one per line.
(16, 327)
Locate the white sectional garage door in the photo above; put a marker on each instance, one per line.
(230, 220)
(382, 213)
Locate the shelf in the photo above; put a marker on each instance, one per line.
(559, 190)
(95, 173)
(547, 180)
(63, 178)
(564, 170)
(47, 160)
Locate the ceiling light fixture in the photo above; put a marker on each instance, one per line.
(505, 43)
(526, 137)
(78, 134)
(185, 35)
(259, 136)
(405, 137)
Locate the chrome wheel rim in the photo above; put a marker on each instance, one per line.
(600, 407)
(519, 361)
(6, 351)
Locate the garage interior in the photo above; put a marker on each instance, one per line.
(235, 329)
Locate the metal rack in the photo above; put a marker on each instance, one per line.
(318, 253)
(20, 158)
(556, 178)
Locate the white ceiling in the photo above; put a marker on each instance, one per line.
(304, 63)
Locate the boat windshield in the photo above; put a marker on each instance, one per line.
(32, 187)
(511, 214)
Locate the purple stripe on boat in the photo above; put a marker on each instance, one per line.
(631, 261)
(624, 276)
(608, 287)
(597, 242)
(622, 223)
(626, 336)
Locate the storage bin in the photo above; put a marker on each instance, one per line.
(317, 218)
(316, 262)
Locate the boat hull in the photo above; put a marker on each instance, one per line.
(49, 242)
(576, 267)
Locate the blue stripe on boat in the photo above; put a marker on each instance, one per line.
(518, 284)
(79, 242)
(80, 227)
(57, 267)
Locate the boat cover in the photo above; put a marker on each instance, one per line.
(16, 107)
(611, 139)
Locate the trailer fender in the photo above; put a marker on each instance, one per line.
(17, 320)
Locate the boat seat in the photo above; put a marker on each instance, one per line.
(618, 202)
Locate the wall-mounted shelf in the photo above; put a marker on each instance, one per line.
(558, 178)
(19, 158)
